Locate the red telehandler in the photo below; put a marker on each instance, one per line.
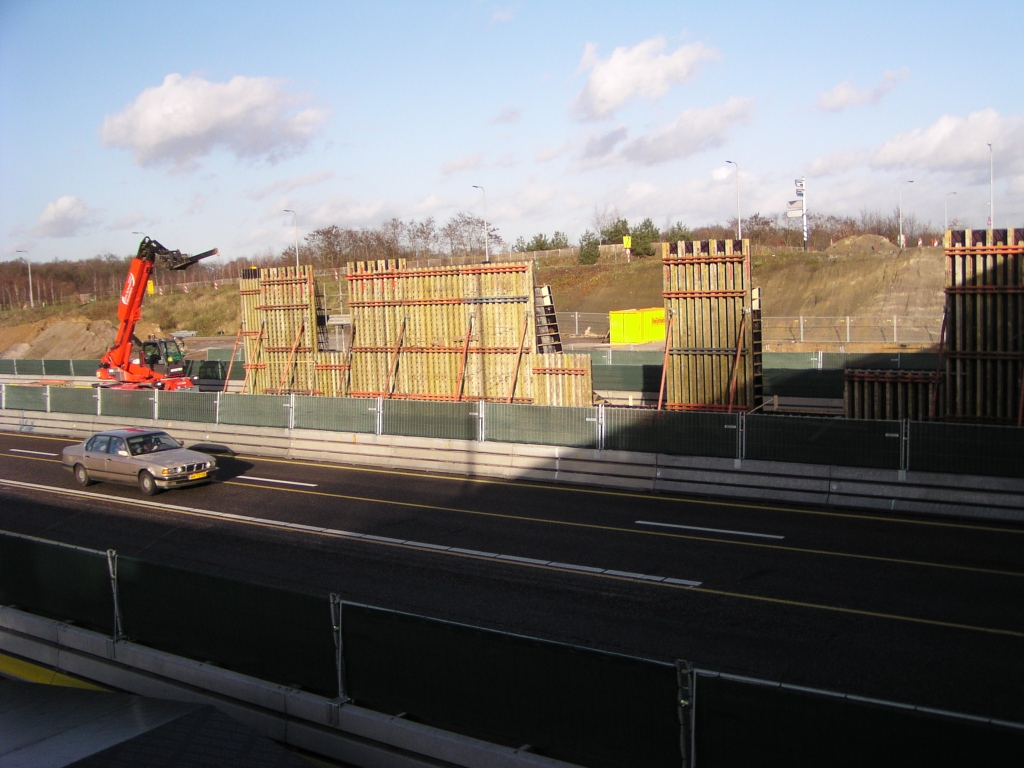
(155, 363)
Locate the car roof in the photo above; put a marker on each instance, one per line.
(131, 432)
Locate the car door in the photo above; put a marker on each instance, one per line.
(119, 461)
(95, 456)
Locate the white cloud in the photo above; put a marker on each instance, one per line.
(186, 118)
(430, 205)
(284, 186)
(501, 16)
(507, 116)
(954, 143)
(840, 161)
(600, 146)
(630, 73)
(846, 94)
(65, 217)
(548, 153)
(133, 220)
(464, 163)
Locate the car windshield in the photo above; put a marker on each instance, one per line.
(151, 443)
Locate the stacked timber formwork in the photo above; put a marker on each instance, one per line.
(983, 353)
(712, 344)
(891, 395)
(283, 325)
(454, 334)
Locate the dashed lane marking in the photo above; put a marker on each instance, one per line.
(711, 530)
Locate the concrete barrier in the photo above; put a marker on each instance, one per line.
(925, 493)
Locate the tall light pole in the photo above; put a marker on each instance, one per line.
(908, 181)
(991, 191)
(295, 223)
(31, 301)
(487, 245)
(945, 211)
(739, 221)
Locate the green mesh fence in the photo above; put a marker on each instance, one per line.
(823, 441)
(797, 360)
(274, 634)
(745, 723)
(582, 706)
(633, 378)
(455, 421)
(127, 403)
(19, 398)
(29, 367)
(338, 414)
(541, 424)
(917, 361)
(7, 367)
(254, 410)
(57, 367)
(796, 382)
(187, 406)
(971, 449)
(225, 354)
(84, 367)
(56, 581)
(672, 432)
(611, 356)
(73, 400)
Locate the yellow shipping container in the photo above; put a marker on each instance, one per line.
(636, 326)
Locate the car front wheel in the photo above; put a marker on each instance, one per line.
(147, 484)
(82, 476)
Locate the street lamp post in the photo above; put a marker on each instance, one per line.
(991, 191)
(31, 301)
(295, 224)
(903, 243)
(739, 221)
(487, 245)
(945, 211)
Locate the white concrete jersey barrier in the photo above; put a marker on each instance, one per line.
(973, 496)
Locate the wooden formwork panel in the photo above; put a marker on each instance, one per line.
(983, 326)
(712, 343)
(454, 333)
(892, 395)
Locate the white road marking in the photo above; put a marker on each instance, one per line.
(37, 453)
(422, 546)
(711, 530)
(271, 480)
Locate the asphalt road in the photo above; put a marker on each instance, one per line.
(923, 611)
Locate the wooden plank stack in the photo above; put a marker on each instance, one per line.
(892, 394)
(282, 320)
(983, 353)
(454, 334)
(712, 342)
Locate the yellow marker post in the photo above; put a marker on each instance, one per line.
(150, 289)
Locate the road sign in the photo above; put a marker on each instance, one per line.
(799, 183)
(794, 214)
(796, 205)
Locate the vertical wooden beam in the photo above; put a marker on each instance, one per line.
(519, 357)
(460, 380)
(665, 360)
(291, 358)
(231, 362)
(393, 365)
(736, 364)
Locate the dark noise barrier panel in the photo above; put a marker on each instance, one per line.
(748, 723)
(583, 706)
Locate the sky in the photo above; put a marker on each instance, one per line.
(199, 123)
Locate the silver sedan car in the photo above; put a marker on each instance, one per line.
(149, 457)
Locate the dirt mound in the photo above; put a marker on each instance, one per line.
(862, 245)
(55, 339)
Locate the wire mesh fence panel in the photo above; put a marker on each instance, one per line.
(273, 634)
(513, 690)
(127, 403)
(24, 398)
(56, 581)
(57, 367)
(616, 356)
(454, 421)
(806, 729)
(338, 414)
(187, 406)
(84, 367)
(73, 399)
(541, 425)
(793, 382)
(853, 330)
(632, 378)
(254, 410)
(970, 449)
(225, 354)
(675, 433)
(583, 325)
(29, 367)
(7, 367)
(809, 440)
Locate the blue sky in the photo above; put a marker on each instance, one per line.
(198, 123)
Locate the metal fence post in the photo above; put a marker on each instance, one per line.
(216, 410)
(99, 400)
(895, 333)
(379, 426)
(600, 426)
(741, 438)
(801, 328)
(481, 424)
(687, 688)
(904, 448)
(847, 329)
(339, 650)
(47, 398)
(3, 397)
(112, 570)
(156, 405)
(291, 411)
(15, 366)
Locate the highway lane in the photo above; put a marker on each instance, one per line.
(871, 604)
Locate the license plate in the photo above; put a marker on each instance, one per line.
(197, 475)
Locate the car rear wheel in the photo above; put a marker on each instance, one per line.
(82, 476)
(147, 484)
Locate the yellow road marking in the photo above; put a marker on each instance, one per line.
(34, 673)
(279, 526)
(615, 529)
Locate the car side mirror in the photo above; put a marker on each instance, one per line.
(122, 453)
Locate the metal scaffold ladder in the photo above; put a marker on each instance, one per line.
(548, 338)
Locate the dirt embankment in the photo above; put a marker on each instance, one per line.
(59, 339)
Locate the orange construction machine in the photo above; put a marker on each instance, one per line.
(155, 363)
